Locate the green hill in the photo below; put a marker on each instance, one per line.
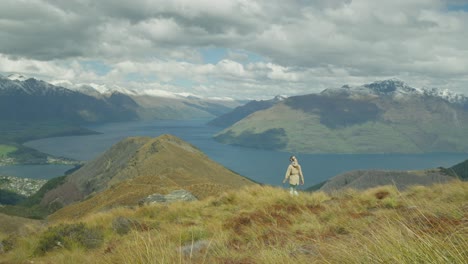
(243, 111)
(135, 168)
(459, 170)
(356, 120)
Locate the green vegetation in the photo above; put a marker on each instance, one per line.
(354, 127)
(4, 180)
(69, 236)
(274, 138)
(14, 134)
(10, 198)
(262, 224)
(336, 112)
(460, 170)
(6, 149)
(36, 198)
(29, 207)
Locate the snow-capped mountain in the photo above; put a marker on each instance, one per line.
(279, 98)
(93, 89)
(447, 95)
(396, 89)
(133, 104)
(16, 77)
(18, 84)
(381, 117)
(100, 90)
(29, 99)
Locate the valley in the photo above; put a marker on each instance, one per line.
(32, 109)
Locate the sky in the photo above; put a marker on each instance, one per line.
(241, 49)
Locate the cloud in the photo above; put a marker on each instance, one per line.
(262, 47)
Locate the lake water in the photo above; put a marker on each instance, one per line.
(260, 165)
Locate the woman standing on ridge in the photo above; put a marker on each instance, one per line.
(294, 174)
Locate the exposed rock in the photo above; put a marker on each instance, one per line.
(121, 225)
(195, 248)
(178, 195)
(305, 250)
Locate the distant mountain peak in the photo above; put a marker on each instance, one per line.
(17, 77)
(392, 86)
(447, 95)
(395, 88)
(279, 98)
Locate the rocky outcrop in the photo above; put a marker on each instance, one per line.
(177, 195)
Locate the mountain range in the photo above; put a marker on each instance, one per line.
(29, 99)
(381, 117)
(161, 104)
(23, 98)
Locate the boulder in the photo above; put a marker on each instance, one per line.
(177, 195)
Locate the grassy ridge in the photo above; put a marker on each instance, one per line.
(260, 224)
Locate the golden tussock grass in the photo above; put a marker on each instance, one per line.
(261, 224)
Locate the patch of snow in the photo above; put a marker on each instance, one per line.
(17, 77)
(158, 93)
(228, 99)
(396, 89)
(279, 98)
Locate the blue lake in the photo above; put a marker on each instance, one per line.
(260, 165)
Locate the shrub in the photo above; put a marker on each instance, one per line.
(194, 233)
(10, 198)
(7, 244)
(68, 236)
(122, 225)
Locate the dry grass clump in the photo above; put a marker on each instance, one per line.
(260, 224)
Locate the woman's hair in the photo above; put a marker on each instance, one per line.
(292, 158)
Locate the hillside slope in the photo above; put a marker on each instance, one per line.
(262, 224)
(14, 224)
(137, 167)
(36, 100)
(383, 117)
(365, 179)
(459, 170)
(154, 107)
(243, 111)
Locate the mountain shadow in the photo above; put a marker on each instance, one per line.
(336, 112)
(243, 111)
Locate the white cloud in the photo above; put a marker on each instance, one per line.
(302, 46)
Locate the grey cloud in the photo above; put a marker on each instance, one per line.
(62, 29)
(357, 38)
